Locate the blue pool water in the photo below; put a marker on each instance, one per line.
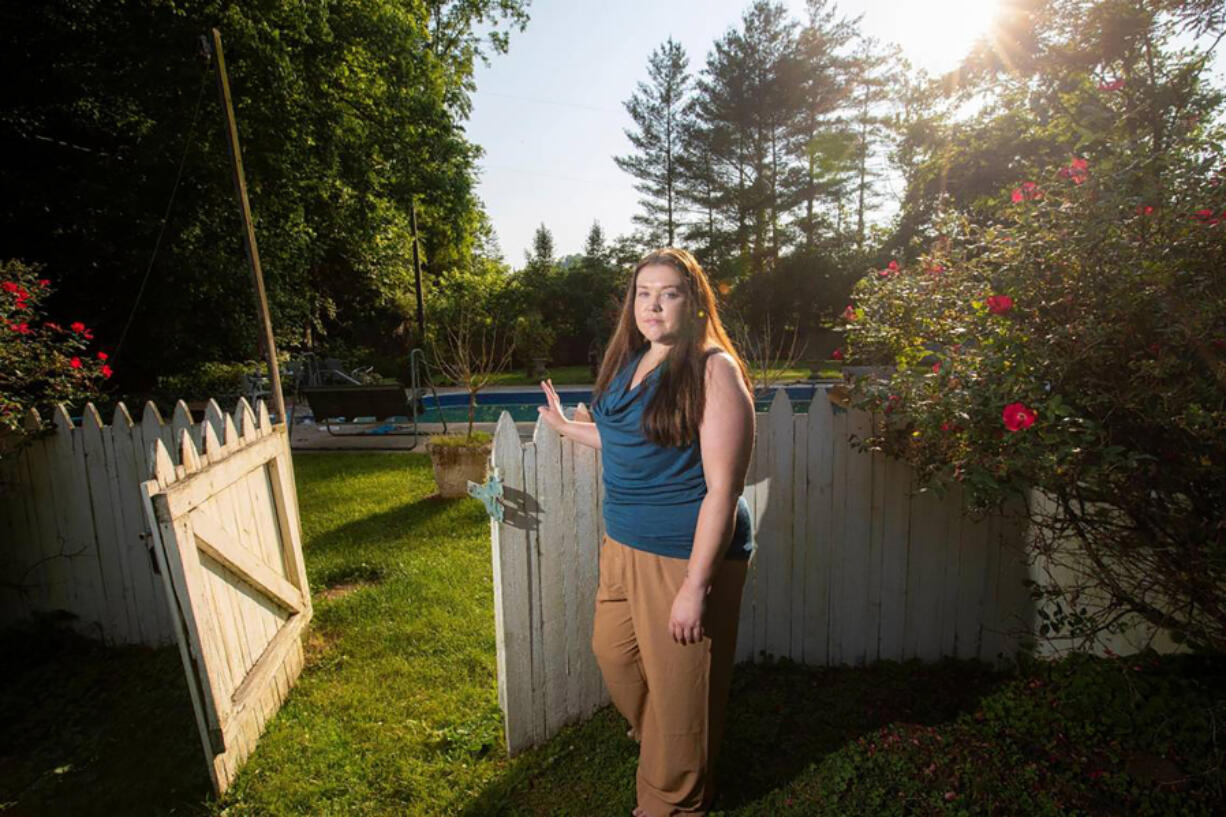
(522, 404)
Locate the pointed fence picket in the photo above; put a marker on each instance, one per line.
(853, 564)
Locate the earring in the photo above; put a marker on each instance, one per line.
(702, 313)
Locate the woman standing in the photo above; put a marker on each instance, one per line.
(674, 422)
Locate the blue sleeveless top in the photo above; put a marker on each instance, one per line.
(652, 493)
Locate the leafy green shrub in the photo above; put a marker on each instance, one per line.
(41, 362)
(217, 379)
(1077, 346)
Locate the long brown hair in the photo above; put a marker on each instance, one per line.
(675, 411)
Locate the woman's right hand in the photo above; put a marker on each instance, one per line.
(552, 410)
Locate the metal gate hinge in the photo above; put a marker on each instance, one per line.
(489, 493)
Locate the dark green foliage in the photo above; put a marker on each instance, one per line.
(345, 110)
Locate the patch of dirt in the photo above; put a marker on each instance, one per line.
(342, 589)
(316, 644)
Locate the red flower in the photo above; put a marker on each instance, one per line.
(945, 426)
(54, 326)
(21, 305)
(1018, 416)
(103, 355)
(1077, 171)
(935, 268)
(77, 326)
(44, 282)
(22, 328)
(892, 266)
(1113, 85)
(1027, 192)
(1207, 217)
(106, 370)
(10, 286)
(936, 367)
(999, 304)
(849, 313)
(89, 334)
(1145, 209)
(837, 354)
(75, 363)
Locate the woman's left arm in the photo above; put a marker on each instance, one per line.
(726, 442)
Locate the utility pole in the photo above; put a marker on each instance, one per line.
(244, 208)
(421, 306)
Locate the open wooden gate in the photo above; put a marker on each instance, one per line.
(228, 543)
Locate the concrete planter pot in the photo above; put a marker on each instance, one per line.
(455, 465)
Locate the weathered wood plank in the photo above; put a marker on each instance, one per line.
(769, 555)
(854, 585)
(572, 591)
(799, 484)
(551, 556)
(512, 590)
(588, 557)
(820, 497)
(777, 525)
(223, 548)
(895, 558)
(99, 480)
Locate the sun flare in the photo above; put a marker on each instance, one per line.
(944, 30)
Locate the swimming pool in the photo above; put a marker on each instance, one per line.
(522, 405)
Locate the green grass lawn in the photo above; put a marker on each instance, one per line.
(396, 711)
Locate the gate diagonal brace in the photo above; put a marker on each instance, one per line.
(489, 492)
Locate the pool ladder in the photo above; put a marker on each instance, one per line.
(416, 391)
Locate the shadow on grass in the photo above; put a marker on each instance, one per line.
(783, 719)
(87, 729)
(388, 529)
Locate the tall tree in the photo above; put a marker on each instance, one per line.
(875, 71)
(825, 144)
(541, 257)
(595, 248)
(746, 112)
(657, 110)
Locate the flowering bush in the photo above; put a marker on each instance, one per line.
(1077, 346)
(41, 362)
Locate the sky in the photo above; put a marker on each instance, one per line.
(549, 113)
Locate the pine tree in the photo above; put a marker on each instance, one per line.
(595, 248)
(541, 257)
(825, 145)
(747, 110)
(871, 96)
(656, 109)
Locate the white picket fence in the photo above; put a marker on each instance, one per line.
(852, 564)
(73, 525)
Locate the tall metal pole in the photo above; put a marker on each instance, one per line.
(244, 207)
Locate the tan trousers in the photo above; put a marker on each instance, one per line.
(672, 695)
